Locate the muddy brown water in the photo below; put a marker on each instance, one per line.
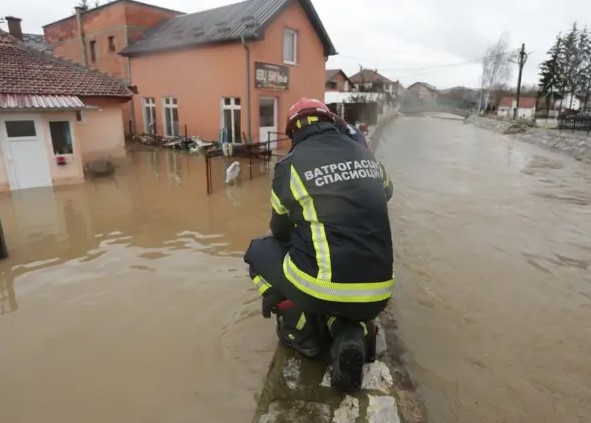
(493, 250)
(126, 299)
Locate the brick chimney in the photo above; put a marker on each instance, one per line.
(14, 27)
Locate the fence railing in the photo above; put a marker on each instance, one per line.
(254, 160)
(575, 123)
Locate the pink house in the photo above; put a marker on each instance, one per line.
(54, 117)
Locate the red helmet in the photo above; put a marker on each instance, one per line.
(306, 107)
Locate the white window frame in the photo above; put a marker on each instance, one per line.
(287, 31)
(149, 105)
(72, 137)
(232, 106)
(167, 106)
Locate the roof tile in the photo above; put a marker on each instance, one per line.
(24, 70)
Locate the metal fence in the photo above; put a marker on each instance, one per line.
(575, 123)
(254, 160)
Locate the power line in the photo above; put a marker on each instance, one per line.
(428, 68)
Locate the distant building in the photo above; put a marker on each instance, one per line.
(231, 72)
(101, 33)
(527, 107)
(570, 102)
(337, 80)
(422, 91)
(371, 80)
(54, 117)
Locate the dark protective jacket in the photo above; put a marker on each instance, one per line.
(329, 201)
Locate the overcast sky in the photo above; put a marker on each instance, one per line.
(405, 40)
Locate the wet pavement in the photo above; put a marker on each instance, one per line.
(493, 250)
(126, 299)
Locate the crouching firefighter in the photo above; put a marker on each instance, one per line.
(329, 260)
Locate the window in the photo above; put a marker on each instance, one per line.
(171, 117)
(111, 43)
(61, 137)
(231, 115)
(331, 85)
(290, 46)
(149, 110)
(20, 128)
(93, 52)
(80, 116)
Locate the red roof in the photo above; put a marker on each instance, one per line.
(27, 71)
(524, 102)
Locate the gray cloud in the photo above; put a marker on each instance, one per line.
(405, 40)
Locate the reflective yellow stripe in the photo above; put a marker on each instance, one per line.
(363, 292)
(261, 284)
(384, 176)
(364, 326)
(276, 204)
(330, 321)
(318, 233)
(301, 322)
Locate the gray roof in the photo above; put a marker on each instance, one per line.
(247, 19)
(37, 41)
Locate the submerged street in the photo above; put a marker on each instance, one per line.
(493, 250)
(127, 300)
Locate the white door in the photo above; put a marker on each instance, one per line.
(268, 120)
(24, 152)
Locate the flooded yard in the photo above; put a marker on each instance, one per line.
(126, 299)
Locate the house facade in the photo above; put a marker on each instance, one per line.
(55, 116)
(422, 91)
(527, 107)
(337, 80)
(231, 72)
(94, 37)
(371, 81)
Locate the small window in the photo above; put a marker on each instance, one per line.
(20, 128)
(331, 85)
(93, 52)
(61, 137)
(171, 117)
(79, 116)
(111, 44)
(290, 44)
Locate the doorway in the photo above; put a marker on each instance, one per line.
(268, 120)
(25, 153)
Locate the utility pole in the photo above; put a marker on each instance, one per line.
(522, 60)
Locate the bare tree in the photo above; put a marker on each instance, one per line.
(496, 69)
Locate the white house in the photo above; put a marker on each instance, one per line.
(565, 103)
(527, 107)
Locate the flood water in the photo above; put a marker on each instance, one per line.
(126, 299)
(493, 251)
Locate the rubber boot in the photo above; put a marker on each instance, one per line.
(298, 330)
(348, 353)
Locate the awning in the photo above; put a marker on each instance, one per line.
(27, 102)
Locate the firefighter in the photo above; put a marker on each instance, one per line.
(329, 257)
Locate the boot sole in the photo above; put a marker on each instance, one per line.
(347, 374)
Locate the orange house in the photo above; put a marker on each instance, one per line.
(94, 37)
(238, 67)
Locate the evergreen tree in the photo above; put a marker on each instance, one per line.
(550, 74)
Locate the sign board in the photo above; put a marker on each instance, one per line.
(271, 76)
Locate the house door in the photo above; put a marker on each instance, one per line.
(268, 120)
(24, 152)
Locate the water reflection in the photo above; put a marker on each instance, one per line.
(125, 284)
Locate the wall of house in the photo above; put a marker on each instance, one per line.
(199, 88)
(100, 134)
(422, 93)
(306, 79)
(122, 20)
(342, 83)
